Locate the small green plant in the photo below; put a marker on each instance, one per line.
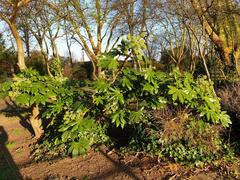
(199, 95)
(10, 145)
(46, 151)
(55, 67)
(17, 132)
(80, 133)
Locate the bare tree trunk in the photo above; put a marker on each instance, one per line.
(220, 39)
(36, 122)
(205, 65)
(96, 70)
(69, 51)
(44, 55)
(21, 61)
(27, 40)
(237, 60)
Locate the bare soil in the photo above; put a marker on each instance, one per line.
(15, 161)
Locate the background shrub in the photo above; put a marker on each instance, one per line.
(230, 100)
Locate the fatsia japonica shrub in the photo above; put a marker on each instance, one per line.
(63, 110)
(191, 134)
(31, 90)
(130, 92)
(80, 114)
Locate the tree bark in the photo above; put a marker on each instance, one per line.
(20, 49)
(36, 122)
(45, 57)
(219, 38)
(237, 60)
(27, 40)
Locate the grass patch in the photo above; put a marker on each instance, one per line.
(10, 145)
(17, 132)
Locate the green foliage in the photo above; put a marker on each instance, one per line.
(136, 91)
(191, 141)
(129, 101)
(108, 62)
(80, 132)
(29, 88)
(79, 114)
(56, 67)
(198, 95)
(131, 47)
(58, 99)
(46, 151)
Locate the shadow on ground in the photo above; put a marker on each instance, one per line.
(8, 168)
(98, 165)
(12, 110)
(118, 168)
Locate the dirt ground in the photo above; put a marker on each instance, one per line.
(15, 162)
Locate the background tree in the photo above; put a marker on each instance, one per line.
(90, 24)
(9, 12)
(7, 60)
(222, 26)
